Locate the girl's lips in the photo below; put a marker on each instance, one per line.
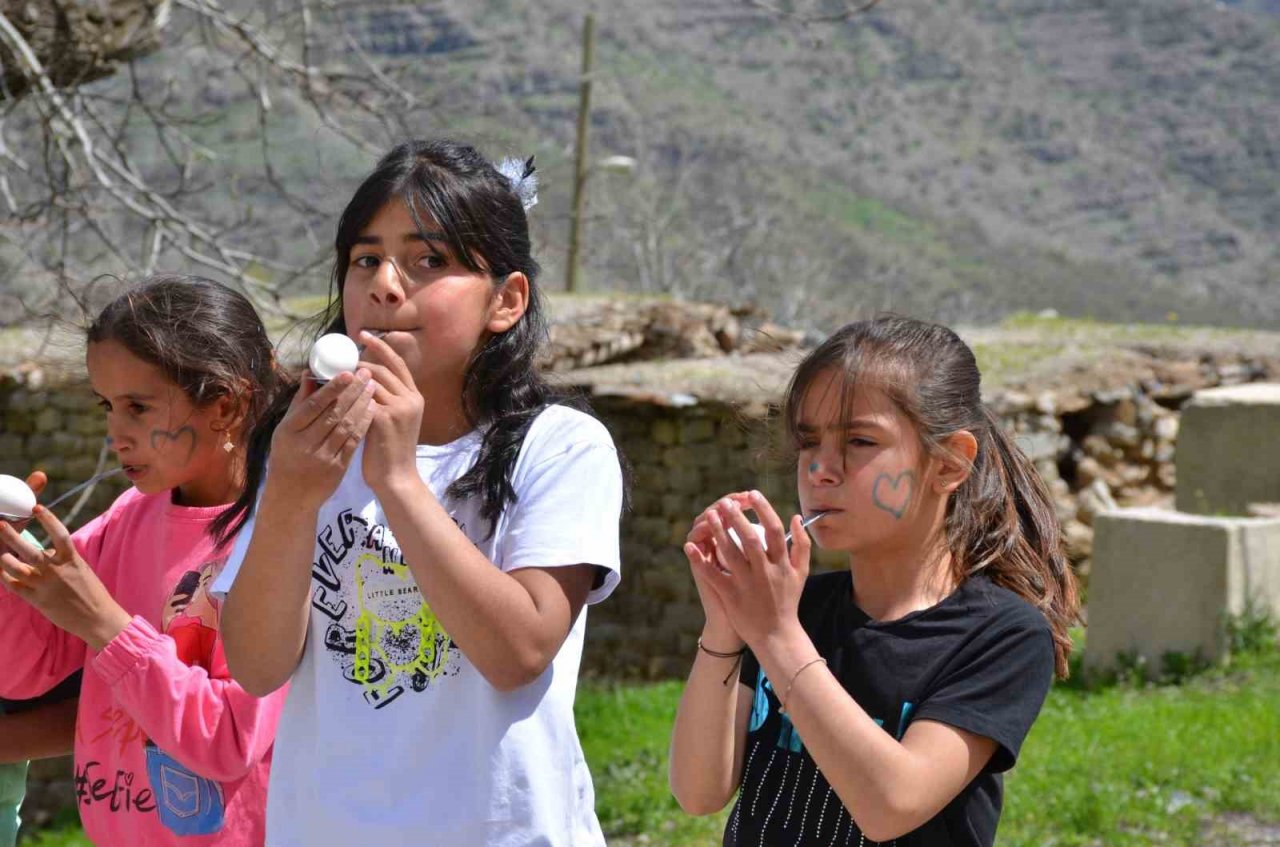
(134, 471)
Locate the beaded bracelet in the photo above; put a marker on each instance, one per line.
(736, 655)
(782, 706)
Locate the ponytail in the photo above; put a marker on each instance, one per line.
(1002, 522)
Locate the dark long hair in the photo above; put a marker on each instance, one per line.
(204, 336)
(1001, 521)
(485, 225)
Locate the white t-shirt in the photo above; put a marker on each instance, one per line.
(390, 735)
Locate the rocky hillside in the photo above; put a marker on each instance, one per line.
(960, 160)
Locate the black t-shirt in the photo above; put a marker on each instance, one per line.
(981, 660)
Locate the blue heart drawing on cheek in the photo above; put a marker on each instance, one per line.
(160, 439)
(893, 494)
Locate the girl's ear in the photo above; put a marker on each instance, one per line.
(959, 450)
(510, 299)
(229, 410)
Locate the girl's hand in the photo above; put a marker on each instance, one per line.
(758, 584)
(699, 549)
(390, 454)
(315, 441)
(60, 584)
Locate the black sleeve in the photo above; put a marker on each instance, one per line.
(995, 685)
(65, 690)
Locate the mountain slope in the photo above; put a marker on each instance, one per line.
(961, 160)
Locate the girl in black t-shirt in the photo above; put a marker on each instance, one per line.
(879, 704)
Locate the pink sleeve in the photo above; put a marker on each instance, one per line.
(35, 654)
(207, 722)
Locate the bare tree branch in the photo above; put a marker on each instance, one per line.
(120, 176)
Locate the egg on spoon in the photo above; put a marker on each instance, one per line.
(17, 500)
(331, 355)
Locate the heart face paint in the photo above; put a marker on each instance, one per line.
(893, 494)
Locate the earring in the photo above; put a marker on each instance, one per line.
(229, 446)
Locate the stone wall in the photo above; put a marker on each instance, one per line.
(1097, 444)
(682, 457)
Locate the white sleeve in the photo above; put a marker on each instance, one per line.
(569, 492)
(223, 581)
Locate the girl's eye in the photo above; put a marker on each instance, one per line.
(366, 261)
(432, 260)
(861, 442)
(104, 405)
(137, 408)
(806, 445)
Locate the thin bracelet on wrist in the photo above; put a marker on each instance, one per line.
(719, 654)
(736, 655)
(782, 701)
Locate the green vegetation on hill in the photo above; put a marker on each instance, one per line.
(953, 160)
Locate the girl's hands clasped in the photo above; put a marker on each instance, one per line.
(60, 584)
(699, 549)
(753, 589)
(313, 445)
(391, 450)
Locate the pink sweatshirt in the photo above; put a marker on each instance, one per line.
(168, 749)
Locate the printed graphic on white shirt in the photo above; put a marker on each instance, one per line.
(381, 634)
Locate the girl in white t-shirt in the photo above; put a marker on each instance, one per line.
(426, 536)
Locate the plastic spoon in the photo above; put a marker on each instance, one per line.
(808, 520)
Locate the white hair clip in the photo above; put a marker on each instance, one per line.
(522, 178)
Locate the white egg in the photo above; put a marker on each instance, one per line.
(331, 355)
(16, 498)
(759, 531)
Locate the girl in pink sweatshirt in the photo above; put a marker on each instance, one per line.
(168, 750)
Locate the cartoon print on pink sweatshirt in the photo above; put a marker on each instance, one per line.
(189, 804)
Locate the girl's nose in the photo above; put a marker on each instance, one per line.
(117, 440)
(824, 470)
(388, 284)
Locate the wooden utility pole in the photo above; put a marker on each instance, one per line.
(580, 155)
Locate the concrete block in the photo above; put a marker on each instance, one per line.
(1166, 581)
(1228, 453)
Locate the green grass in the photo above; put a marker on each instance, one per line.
(625, 730)
(1138, 766)
(999, 362)
(64, 832)
(1171, 331)
(1119, 766)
